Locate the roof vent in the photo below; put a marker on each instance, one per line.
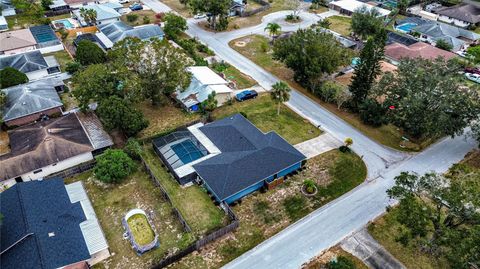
(52, 234)
(24, 103)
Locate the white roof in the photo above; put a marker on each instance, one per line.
(3, 21)
(353, 5)
(91, 230)
(206, 75)
(105, 40)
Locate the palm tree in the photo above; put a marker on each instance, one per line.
(273, 29)
(88, 15)
(280, 93)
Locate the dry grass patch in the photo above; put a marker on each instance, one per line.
(340, 24)
(142, 14)
(4, 142)
(178, 7)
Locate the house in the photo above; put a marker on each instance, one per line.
(348, 7)
(117, 31)
(32, 63)
(47, 40)
(92, 37)
(59, 5)
(204, 82)
(27, 103)
(18, 41)
(393, 37)
(106, 13)
(47, 224)
(461, 15)
(230, 157)
(3, 24)
(76, 4)
(396, 51)
(51, 146)
(237, 7)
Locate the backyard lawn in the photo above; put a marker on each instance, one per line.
(193, 202)
(112, 202)
(340, 24)
(262, 112)
(264, 214)
(62, 58)
(389, 135)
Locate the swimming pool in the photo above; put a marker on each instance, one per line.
(63, 23)
(187, 152)
(406, 27)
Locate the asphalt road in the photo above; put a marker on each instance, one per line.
(333, 222)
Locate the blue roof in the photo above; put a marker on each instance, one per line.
(247, 156)
(39, 216)
(26, 62)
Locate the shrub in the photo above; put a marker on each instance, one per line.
(328, 91)
(10, 76)
(372, 113)
(264, 46)
(344, 149)
(73, 67)
(89, 53)
(341, 263)
(133, 148)
(113, 166)
(146, 20)
(442, 44)
(244, 114)
(132, 17)
(160, 15)
(309, 186)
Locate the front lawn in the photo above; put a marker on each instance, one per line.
(262, 112)
(340, 24)
(193, 202)
(142, 17)
(112, 202)
(389, 135)
(262, 215)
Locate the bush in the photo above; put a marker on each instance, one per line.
(160, 15)
(89, 53)
(10, 76)
(146, 20)
(133, 148)
(309, 186)
(114, 166)
(341, 263)
(132, 17)
(372, 113)
(344, 149)
(73, 67)
(444, 45)
(220, 67)
(328, 91)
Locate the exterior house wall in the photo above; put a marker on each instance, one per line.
(49, 49)
(456, 22)
(289, 170)
(33, 117)
(245, 192)
(18, 50)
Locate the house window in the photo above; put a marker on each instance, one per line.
(37, 171)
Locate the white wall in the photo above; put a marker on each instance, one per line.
(50, 49)
(456, 22)
(37, 74)
(107, 21)
(19, 50)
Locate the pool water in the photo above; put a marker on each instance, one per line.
(65, 22)
(406, 27)
(187, 152)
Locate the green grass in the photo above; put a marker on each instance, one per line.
(112, 202)
(20, 22)
(62, 57)
(242, 81)
(340, 24)
(296, 207)
(262, 112)
(141, 230)
(193, 202)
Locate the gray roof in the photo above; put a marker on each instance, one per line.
(41, 226)
(248, 156)
(450, 34)
(27, 99)
(464, 12)
(94, 129)
(26, 62)
(118, 31)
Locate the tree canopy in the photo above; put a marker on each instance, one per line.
(89, 53)
(366, 22)
(10, 76)
(217, 11)
(426, 98)
(311, 54)
(280, 93)
(444, 45)
(113, 166)
(174, 25)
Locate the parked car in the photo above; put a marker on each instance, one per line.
(200, 16)
(136, 6)
(473, 77)
(245, 95)
(472, 70)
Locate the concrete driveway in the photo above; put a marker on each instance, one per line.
(318, 145)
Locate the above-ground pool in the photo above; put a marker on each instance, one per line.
(63, 23)
(406, 27)
(187, 152)
(139, 231)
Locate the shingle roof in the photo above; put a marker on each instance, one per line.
(398, 51)
(44, 143)
(94, 129)
(118, 31)
(26, 99)
(464, 12)
(248, 156)
(41, 211)
(16, 39)
(104, 11)
(448, 33)
(26, 62)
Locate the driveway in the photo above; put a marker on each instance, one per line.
(157, 6)
(318, 145)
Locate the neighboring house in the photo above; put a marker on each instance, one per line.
(348, 7)
(204, 82)
(33, 64)
(106, 13)
(80, 3)
(393, 37)
(92, 37)
(47, 147)
(18, 41)
(230, 157)
(3, 24)
(462, 15)
(117, 31)
(27, 103)
(396, 51)
(47, 224)
(47, 40)
(237, 7)
(59, 5)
